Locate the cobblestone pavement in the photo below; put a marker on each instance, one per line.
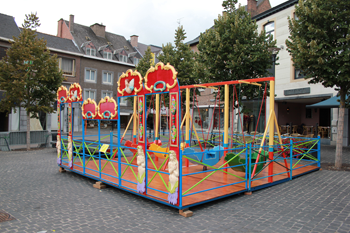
(44, 200)
(328, 154)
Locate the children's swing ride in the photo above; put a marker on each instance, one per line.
(183, 167)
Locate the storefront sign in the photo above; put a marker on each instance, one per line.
(298, 91)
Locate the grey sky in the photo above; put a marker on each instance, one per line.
(154, 21)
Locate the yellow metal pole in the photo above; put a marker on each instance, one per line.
(226, 120)
(157, 118)
(187, 138)
(187, 116)
(272, 129)
(127, 127)
(135, 121)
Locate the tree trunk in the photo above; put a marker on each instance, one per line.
(340, 128)
(28, 130)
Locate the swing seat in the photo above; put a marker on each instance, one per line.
(129, 143)
(241, 161)
(155, 147)
(209, 157)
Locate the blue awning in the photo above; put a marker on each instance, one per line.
(329, 103)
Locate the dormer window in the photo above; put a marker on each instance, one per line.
(106, 51)
(107, 55)
(121, 54)
(89, 47)
(135, 56)
(123, 58)
(90, 51)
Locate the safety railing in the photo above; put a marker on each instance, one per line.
(242, 168)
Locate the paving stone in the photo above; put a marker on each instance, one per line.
(42, 199)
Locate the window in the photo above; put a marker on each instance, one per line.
(67, 66)
(107, 55)
(298, 73)
(270, 29)
(136, 61)
(123, 58)
(90, 94)
(90, 75)
(123, 101)
(107, 77)
(107, 93)
(295, 16)
(308, 113)
(91, 52)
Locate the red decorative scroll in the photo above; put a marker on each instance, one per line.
(129, 83)
(75, 93)
(141, 113)
(107, 108)
(174, 124)
(89, 109)
(62, 94)
(161, 78)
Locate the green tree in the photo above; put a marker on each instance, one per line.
(181, 57)
(145, 63)
(233, 49)
(319, 44)
(29, 74)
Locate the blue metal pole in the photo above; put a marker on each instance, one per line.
(319, 151)
(110, 144)
(118, 138)
(291, 159)
(61, 131)
(247, 166)
(145, 126)
(180, 151)
(83, 143)
(99, 146)
(72, 125)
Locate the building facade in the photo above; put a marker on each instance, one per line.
(293, 93)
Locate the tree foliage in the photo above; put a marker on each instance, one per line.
(145, 63)
(29, 73)
(233, 49)
(319, 44)
(181, 57)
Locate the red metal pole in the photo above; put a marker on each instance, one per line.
(230, 82)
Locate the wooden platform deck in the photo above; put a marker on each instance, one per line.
(110, 175)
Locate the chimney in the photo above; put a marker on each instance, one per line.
(134, 40)
(252, 7)
(99, 30)
(71, 23)
(59, 27)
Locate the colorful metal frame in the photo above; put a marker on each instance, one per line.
(142, 174)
